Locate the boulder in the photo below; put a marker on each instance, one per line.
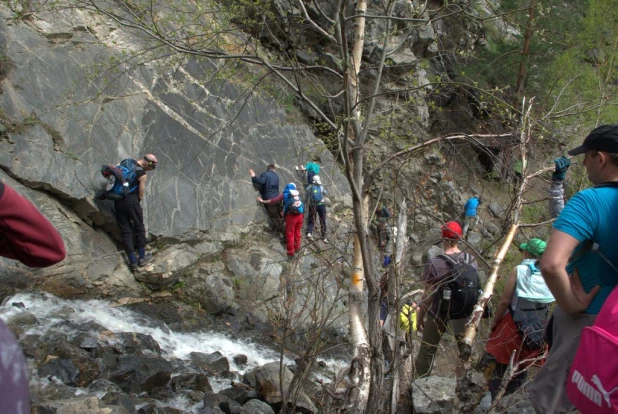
(496, 209)
(256, 407)
(256, 273)
(77, 405)
(208, 285)
(138, 374)
(433, 395)
(167, 266)
(214, 363)
(267, 382)
(193, 381)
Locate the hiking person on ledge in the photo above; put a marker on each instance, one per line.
(293, 209)
(518, 324)
(130, 216)
(268, 183)
(444, 302)
(25, 235)
(579, 265)
(312, 168)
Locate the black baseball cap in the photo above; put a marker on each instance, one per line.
(603, 138)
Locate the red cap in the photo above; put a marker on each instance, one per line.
(451, 230)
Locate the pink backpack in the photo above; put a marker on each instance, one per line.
(592, 385)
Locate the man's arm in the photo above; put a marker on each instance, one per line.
(142, 187)
(25, 234)
(553, 267)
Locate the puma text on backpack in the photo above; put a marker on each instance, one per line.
(592, 384)
(120, 178)
(316, 194)
(463, 282)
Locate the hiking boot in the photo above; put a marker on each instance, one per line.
(133, 267)
(325, 240)
(309, 236)
(142, 262)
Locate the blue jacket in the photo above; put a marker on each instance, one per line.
(470, 207)
(269, 184)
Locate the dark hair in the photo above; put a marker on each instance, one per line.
(317, 158)
(270, 167)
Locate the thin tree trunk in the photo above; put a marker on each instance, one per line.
(471, 328)
(521, 73)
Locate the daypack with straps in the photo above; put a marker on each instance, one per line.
(121, 179)
(592, 384)
(464, 285)
(531, 306)
(316, 195)
(294, 205)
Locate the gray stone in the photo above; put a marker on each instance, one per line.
(77, 405)
(433, 395)
(256, 407)
(474, 239)
(167, 266)
(214, 291)
(496, 209)
(268, 381)
(256, 273)
(492, 229)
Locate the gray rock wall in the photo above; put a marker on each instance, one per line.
(206, 133)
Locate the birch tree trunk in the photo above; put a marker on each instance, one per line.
(488, 290)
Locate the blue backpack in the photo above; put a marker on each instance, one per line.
(316, 194)
(294, 205)
(120, 178)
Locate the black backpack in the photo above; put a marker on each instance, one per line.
(463, 282)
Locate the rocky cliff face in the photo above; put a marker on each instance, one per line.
(60, 125)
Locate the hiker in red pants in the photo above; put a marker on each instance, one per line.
(293, 210)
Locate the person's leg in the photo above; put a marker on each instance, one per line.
(548, 390)
(137, 217)
(126, 230)
(496, 378)
(383, 310)
(473, 221)
(322, 214)
(298, 228)
(289, 234)
(516, 382)
(466, 224)
(310, 219)
(274, 215)
(432, 333)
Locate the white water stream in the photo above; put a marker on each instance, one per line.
(50, 310)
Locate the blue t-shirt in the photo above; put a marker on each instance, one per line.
(592, 214)
(470, 207)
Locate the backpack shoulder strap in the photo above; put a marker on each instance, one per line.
(448, 259)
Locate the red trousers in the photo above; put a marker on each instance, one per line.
(293, 225)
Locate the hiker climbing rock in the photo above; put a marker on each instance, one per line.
(470, 214)
(312, 168)
(129, 213)
(293, 210)
(315, 203)
(384, 234)
(27, 236)
(443, 302)
(268, 183)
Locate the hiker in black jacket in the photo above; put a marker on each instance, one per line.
(268, 183)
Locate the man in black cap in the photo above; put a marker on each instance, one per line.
(580, 282)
